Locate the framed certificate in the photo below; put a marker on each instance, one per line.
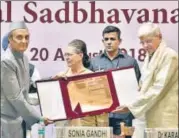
(87, 94)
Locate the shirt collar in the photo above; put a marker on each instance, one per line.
(17, 54)
(120, 54)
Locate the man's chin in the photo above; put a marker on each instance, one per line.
(109, 50)
(22, 51)
(150, 52)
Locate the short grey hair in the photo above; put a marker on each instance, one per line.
(148, 30)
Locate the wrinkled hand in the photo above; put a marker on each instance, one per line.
(121, 109)
(48, 121)
(60, 76)
(129, 131)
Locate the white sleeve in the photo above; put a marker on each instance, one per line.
(35, 75)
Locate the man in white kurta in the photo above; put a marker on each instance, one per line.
(158, 99)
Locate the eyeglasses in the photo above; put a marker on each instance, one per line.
(148, 41)
(68, 54)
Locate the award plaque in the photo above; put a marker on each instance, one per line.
(87, 94)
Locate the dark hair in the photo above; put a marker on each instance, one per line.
(80, 47)
(110, 29)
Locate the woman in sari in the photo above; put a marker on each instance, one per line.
(78, 62)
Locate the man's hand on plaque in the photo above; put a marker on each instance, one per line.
(121, 109)
(47, 121)
(60, 76)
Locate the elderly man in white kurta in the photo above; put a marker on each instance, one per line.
(15, 80)
(158, 99)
